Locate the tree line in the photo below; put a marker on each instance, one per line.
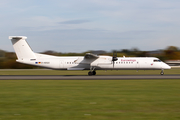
(8, 59)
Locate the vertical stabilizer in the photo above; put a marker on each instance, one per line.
(21, 47)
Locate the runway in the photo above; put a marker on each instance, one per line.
(97, 77)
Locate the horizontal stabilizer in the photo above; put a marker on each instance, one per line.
(17, 37)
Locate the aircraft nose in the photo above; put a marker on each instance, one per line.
(165, 66)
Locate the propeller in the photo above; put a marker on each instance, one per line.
(114, 58)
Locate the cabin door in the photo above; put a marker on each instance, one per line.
(61, 64)
(138, 64)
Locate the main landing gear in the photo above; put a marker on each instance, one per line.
(162, 72)
(92, 71)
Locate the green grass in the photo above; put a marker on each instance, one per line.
(89, 100)
(99, 72)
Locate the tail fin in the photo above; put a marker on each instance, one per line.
(21, 47)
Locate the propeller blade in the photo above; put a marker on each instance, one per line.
(114, 58)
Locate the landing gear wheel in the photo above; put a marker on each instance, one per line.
(90, 73)
(162, 72)
(94, 72)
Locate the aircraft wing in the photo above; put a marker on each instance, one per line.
(91, 56)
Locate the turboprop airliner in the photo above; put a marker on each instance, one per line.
(90, 61)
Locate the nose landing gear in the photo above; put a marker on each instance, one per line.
(162, 72)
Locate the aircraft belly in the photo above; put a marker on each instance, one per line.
(116, 67)
(79, 67)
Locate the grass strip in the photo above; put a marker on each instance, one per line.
(86, 99)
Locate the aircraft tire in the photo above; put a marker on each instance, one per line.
(90, 73)
(94, 72)
(162, 73)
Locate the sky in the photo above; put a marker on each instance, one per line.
(82, 25)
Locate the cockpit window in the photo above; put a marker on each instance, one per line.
(157, 60)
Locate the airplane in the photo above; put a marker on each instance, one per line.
(90, 61)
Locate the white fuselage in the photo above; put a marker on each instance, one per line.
(101, 63)
(90, 61)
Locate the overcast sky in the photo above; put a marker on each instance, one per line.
(82, 25)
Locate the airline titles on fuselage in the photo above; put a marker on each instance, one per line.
(128, 60)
